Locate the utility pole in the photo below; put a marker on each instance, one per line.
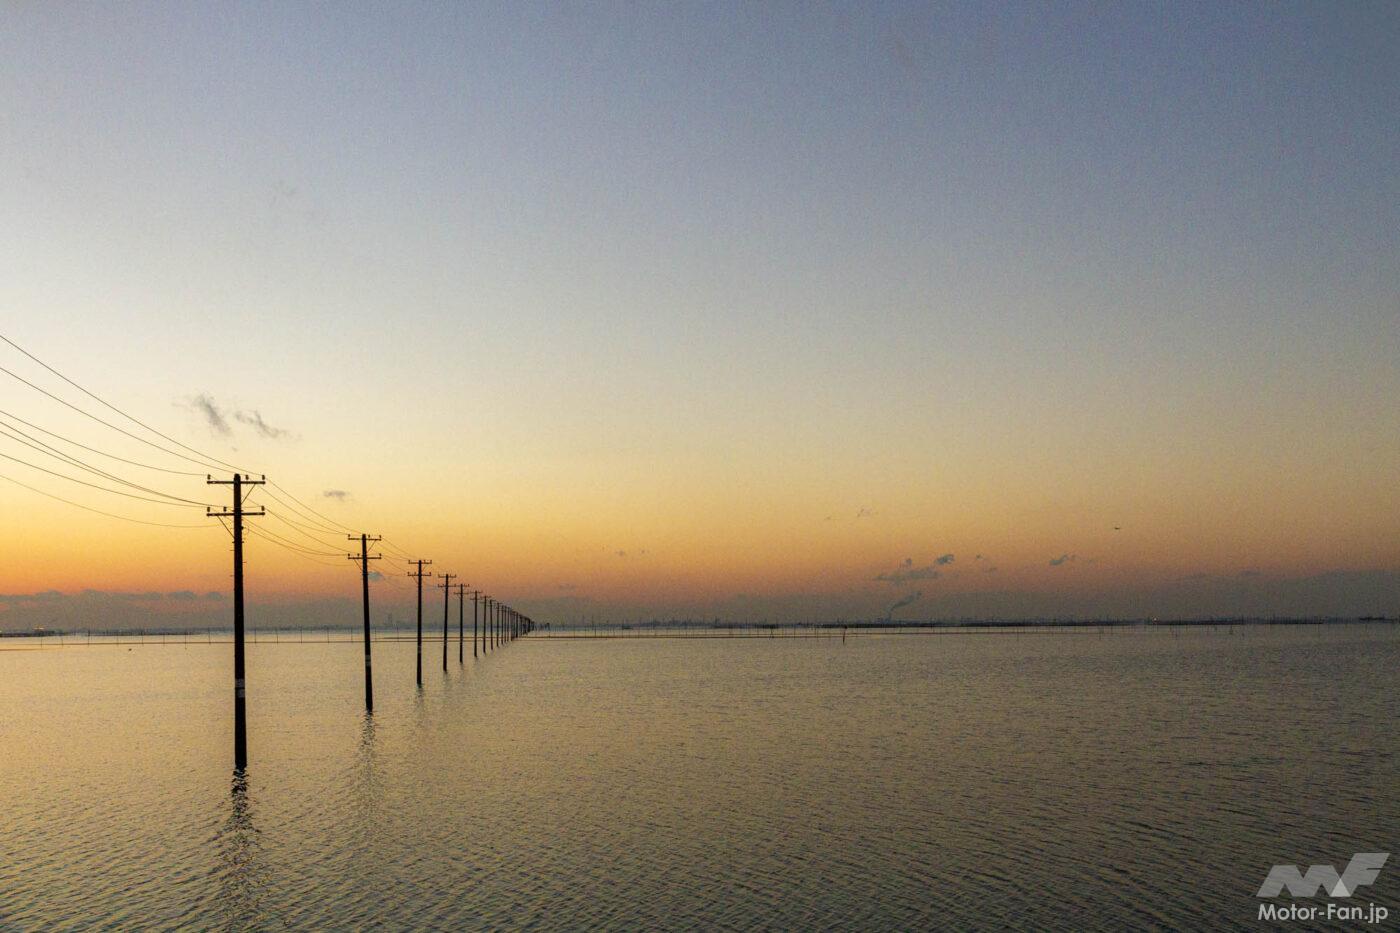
(240, 702)
(461, 623)
(446, 585)
(476, 594)
(485, 623)
(420, 575)
(364, 558)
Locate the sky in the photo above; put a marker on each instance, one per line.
(780, 311)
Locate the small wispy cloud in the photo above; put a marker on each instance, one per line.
(1062, 559)
(620, 553)
(376, 575)
(254, 420)
(340, 495)
(213, 415)
(218, 418)
(907, 572)
(865, 513)
(901, 603)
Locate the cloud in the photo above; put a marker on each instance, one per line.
(911, 598)
(1063, 558)
(339, 495)
(978, 557)
(991, 569)
(213, 415)
(865, 513)
(183, 595)
(254, 419)
(907, 572)
(376, 575)
(620, 553)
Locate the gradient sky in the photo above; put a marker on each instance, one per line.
(726, 309)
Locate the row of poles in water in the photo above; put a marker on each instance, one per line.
(499, 623)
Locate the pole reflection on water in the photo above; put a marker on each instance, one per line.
(241, 879)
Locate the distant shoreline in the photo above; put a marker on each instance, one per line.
(295, 634)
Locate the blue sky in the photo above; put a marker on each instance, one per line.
(1000, 273)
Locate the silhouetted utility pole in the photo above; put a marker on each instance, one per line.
(485, 623)
(420, 575)
(240, 703)
(446, 585)
(364, 558)
(476, 594)
(461, 623)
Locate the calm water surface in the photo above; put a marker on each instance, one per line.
(1044, 781)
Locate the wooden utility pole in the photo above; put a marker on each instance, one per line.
(240, 701)
(485, 623)
(476, 595)
(446, 585)
(364, 557)
(461, 623)
(420, 575)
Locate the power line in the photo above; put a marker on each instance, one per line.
(109, 424)
(48, 450)
(294, 527)
(102, 453)
(315, 560)
(302, 525)
(326, 518)
(311, 522)
(88, 508)
(288, 542)
(110, 405)
(118, 492)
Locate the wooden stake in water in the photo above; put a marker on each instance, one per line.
(240, 696)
